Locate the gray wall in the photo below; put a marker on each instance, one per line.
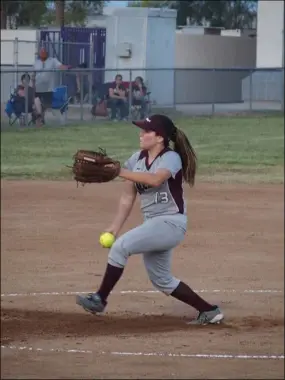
(203, 86)
(219, 52)
(266, 86)
(232, 86)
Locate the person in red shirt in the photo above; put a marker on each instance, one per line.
(118, 100)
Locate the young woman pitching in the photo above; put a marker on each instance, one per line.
(156, 173)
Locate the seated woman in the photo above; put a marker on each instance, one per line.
(118, 100)
(34, 103)
(139, 96)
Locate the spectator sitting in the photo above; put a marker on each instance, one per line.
(34, 103)
(118, 99)
(139, 96)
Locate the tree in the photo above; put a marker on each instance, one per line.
(59, 12)
(236, 14)
(22, 13)
(45, 13)
(75, 12)
(185, 9)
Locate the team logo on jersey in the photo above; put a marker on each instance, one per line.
(141, 188)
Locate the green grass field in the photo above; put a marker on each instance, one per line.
(230, 149)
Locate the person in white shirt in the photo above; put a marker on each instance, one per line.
(44, 81)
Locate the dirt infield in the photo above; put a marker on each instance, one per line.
(233, 252)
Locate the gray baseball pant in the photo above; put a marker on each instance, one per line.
(155, 239)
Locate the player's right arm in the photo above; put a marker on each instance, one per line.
(127, 199)
(126, 203)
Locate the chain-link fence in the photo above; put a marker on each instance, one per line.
(21, 55)
(189, 91)
(210, 91)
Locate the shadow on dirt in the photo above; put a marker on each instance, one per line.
(17, 324)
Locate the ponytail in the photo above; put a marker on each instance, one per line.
(188, 156)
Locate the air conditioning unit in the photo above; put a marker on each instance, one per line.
(124, 50)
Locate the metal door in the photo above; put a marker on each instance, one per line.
(51, 41)
(85, 45)
(73, 46)
(99, 51)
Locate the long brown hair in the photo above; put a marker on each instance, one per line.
(163, 126)
(183, 147)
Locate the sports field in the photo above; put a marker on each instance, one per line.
(229, 149)
(233, 253)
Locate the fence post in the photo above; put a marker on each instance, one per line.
(60, 48)
(91, 66)
(282, 89)
(81, 99)
(174, 89)
(214, 91)
(130, 95)
(26, 102)
(250, 90)
(16, 60)
(36, 50)
(282, 66)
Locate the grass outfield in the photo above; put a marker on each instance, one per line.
(229, 149)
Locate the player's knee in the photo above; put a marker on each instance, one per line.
(165, 285)
(118, 254)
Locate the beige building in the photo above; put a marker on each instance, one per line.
(270, 34)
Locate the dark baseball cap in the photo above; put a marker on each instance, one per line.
(160, 124)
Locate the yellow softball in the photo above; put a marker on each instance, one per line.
(107, 239)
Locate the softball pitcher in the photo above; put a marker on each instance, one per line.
(156, 173)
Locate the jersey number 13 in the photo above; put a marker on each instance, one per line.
(161, 197)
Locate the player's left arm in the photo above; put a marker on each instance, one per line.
(150, 179)
(170, 164)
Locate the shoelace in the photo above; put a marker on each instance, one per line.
(93, 297)
(202, 318)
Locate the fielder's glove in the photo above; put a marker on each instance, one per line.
(94, 167)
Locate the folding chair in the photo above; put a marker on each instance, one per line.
(60, 100)
(15, 112)
(136, 109)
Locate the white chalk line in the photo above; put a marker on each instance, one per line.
(161, 354)
(72, 293)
